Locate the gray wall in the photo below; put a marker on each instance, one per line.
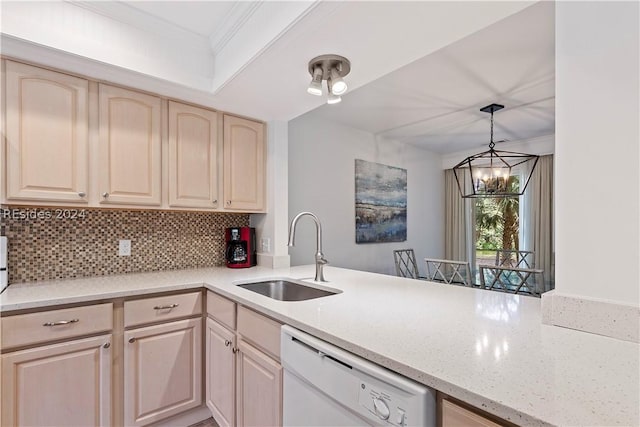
(321, 180)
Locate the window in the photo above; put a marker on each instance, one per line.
(497, 224)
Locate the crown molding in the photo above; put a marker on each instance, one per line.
(233, 22)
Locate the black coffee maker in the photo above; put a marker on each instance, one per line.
(240, 251)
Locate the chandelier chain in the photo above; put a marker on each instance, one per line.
(491, 143)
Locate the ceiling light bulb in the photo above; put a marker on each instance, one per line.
(339, 87)
(315, 87)
(333, 99)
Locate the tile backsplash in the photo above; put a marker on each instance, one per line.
(60, 243)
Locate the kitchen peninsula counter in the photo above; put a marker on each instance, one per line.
(486, 348)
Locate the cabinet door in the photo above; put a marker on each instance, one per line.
(130, 147)
(47, 135)
(162, 371)
(193, 180)
(259, 388)
(244, 164)
(220, 373)
(67, 384)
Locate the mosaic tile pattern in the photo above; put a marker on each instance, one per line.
(46, 243)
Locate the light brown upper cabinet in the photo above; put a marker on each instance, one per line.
(72, 141)
(130, 147)
(193, 171)
(47, 135)
(244, 164)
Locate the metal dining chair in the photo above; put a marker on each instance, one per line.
(511, 279)
(449, 271)
(406, 265)
(516, 259)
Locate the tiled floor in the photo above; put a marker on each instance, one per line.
(206, 423)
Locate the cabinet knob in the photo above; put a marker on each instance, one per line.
(82, 194)
(235, 350)
(105, 195)
(132, 340)
(228, 202)
(227, 343)
(107, 345)
(215, 201)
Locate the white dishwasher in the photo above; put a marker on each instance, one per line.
(327, 386)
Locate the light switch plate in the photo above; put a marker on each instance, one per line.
(124, 248)
(265, 244)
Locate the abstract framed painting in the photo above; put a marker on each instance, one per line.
(381, 203)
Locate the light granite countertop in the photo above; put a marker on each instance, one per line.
(486, 348)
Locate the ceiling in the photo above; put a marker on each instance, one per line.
(434, 102)
(420, 69)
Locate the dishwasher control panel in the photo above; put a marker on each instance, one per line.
(384, 404)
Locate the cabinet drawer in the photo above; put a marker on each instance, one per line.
(162, 308)
(26, 329)
(260, 330)
(221, 309)
(454, 415)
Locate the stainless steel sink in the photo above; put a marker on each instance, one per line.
(286, 290)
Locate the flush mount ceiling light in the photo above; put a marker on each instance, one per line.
(489, 174)
(331, 68)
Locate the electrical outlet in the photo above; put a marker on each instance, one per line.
(124, 248)
(266, 244)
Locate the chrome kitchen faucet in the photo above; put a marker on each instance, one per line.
(320, 259)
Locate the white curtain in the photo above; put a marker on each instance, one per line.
(538, 218)
(459, 238)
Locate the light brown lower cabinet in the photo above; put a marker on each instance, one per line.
(453, 414)
(220, 373)
(162, 371)
(259, 388)
(64, 384)
(243, 374)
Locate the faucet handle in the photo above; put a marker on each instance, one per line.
(320, 259)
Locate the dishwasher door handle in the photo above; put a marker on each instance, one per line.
(336, 360)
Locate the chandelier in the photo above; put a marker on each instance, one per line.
(331, 68)
(489, 174)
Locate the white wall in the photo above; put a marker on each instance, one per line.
(271, 227)
(321, 180)
(597, 139)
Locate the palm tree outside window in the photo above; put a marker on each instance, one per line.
(497, 224)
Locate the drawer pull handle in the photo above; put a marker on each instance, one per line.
(61, 322)
(107, 345)
(165, 307)
(132, 340)
(227, 343)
